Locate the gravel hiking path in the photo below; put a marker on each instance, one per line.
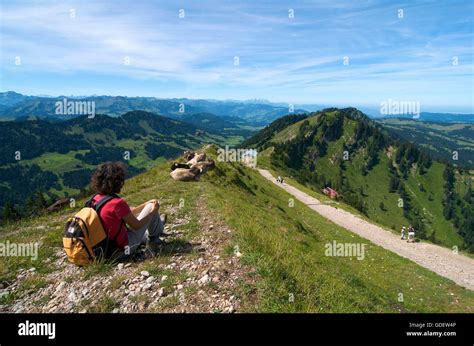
(440, 260)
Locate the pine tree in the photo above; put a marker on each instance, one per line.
(394, 184)
(10, 213)
(36, 204)
(448, 210)
(468, 196)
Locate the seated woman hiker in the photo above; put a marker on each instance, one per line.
(127, 227)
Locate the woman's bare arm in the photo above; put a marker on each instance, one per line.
(132, 220)
(136, 210)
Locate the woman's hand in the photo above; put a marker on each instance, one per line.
(155, 205)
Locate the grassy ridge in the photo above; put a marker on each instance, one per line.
(286, 244)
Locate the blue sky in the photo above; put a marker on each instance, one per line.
(80, 48)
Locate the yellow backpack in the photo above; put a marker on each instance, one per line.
(84, 238)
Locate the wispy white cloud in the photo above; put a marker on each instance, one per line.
(276, 52)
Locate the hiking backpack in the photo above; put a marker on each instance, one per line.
(85, 239)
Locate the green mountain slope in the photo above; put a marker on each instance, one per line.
(269, 131)
(281, 245)
(393, 183)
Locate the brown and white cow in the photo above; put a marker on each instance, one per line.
(193, 169)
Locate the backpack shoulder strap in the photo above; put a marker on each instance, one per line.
(102, 202)
(99, 206)
(90, 202)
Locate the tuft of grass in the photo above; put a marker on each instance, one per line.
(168, 302)
(229, 250)
(34, 282)
(42, 301)
(141, 298)
(8, 298)
(104, 305)
(100, 267)
(116, 282)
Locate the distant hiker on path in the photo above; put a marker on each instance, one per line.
(411, 234)
(126, 227)
(404, 233)
(279, 180)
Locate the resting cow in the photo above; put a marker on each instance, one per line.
(204, 166)
(179, 165)
(193, 169)
(197, 158)
(184, 174)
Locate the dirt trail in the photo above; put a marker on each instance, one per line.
(440, 260)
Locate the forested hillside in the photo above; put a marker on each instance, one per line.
(392, 182)
(41, 160)
(453, 143)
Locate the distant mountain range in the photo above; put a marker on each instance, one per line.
(14, 105)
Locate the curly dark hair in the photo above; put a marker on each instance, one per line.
(109, 178)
